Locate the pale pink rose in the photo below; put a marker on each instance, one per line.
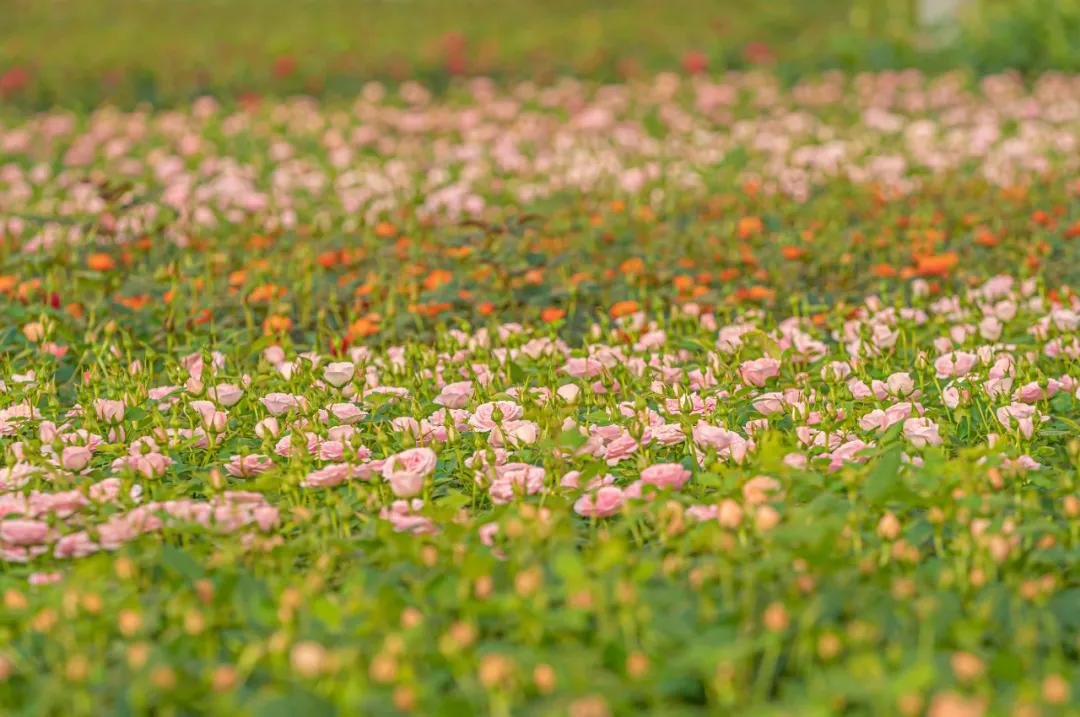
(330, 450)
(328, 476)
(405, 471)
(568, 392)
(900, 384)
(75, 458)
(488, 415)
(1022, 414)
(583, 367)
(108, 410)
(279, 403)
(339, 373)
(757, 371)
(23, 531)
(709, 436)
(619, 449)
(835, 371)
(1030, 392)
(605, 502)
(998, 386)
(517, 432)
(267, 428)
(858, 388)
(75, 545)
(666, 475)
(921, 432)
(769, 403)
(956, 363)
(227, 394)
(347, 412)
(402, 515)
(455, 395)
(950, 396)
(512, 479)
(248, 466)
(797, 461)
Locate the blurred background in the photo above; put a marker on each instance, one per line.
(76, 53)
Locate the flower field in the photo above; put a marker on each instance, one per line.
(695, 393)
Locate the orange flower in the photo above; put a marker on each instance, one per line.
(265, 292)
(534, 277)
(203, 316)
(437, 278)
(1073, 231)
(134, 302)
(985, 237)
(385, 230)
(792, 252)
(328, 259)
(363, 327)
(936, 264)
(633, 265)
(683, 282)
(259, 241)
(551, 314)
(486, 308)
(729, 274)
(237, 278)
(884, 270)
(749, 226)
(7, 283)
(100, 261)
(276, 324)
(624, 308)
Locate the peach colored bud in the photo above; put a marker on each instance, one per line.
(730, 514)
(1055, 689)
(308, 658)
(766, 518)
(775, 617)
(889, 527)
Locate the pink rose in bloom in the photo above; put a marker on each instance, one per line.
(769, 403)
(347, 412)
(405, 471)
(267, 428)
(75, 545)
(75, 458)
(1029, 392)
(488, 415)
(900, 384)
(402, 515)
(921, 432)
(730, 514)
(23, 532)
(568, 392)
(279, 403)
(329, 476)
(339, 373)
(514, 479)
(620, 448)
(583, 367)
(859, 389)
(455, 395)
(795, 460)
(757, 371)
(956, 363)
(515, 433)
(605, 502)
(1022, 414)
(709, 436)
(666, 475)
(226, 394)
(108, 410)
(248, 466)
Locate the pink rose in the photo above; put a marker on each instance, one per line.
(109, 411)
(921, 432)
(23, 532)
(606, 501)
(339, 373)
(75, 458)
(405, 471)
(455, 395)
(666, 475)
(248, 466)
(758, 371)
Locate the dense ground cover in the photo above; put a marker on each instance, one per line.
(683, 395)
